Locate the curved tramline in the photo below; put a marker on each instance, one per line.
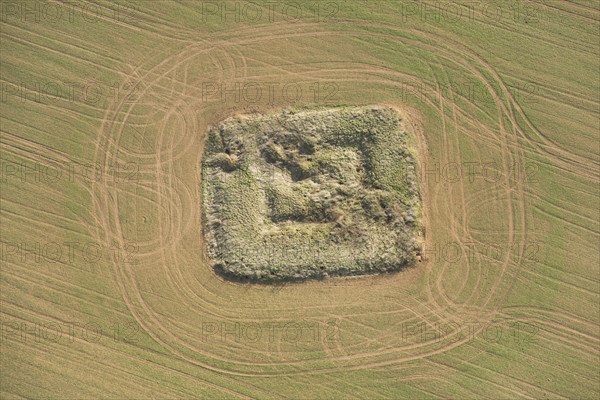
(193, 291)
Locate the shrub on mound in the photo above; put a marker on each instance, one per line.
(307, 194)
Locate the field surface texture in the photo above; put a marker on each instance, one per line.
(299, 200)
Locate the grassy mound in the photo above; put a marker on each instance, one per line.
(311, 193)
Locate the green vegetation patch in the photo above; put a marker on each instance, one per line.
(307, 194)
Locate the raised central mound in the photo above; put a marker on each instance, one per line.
(311, 193)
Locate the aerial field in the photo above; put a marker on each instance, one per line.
(107, 284)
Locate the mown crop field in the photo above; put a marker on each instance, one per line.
(106, 286)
